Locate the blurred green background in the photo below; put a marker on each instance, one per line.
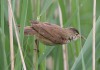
(75, 13)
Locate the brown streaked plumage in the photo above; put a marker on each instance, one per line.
(51, 34)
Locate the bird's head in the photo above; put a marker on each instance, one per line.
(72, 33)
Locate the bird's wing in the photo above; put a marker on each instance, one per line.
(50, 31)
(57, 30)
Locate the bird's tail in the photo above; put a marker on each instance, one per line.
(29, 31)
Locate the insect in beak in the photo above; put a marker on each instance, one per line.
(83, 37)
(80, 36)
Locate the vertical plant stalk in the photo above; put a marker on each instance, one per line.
(11, 37)
(42, 66)
(16, 32)
(78, 21)
(94, 32)
(79, 27)
(36, 45)
(2, 23)
(65, 52)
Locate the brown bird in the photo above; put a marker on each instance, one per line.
(51, 34)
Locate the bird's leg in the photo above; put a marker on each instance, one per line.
(36, 45)
(36, 55)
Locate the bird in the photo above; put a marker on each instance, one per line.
(51, 34)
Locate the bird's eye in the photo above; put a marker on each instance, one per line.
(69, 39)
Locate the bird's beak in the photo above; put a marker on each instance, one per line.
(78, 36)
